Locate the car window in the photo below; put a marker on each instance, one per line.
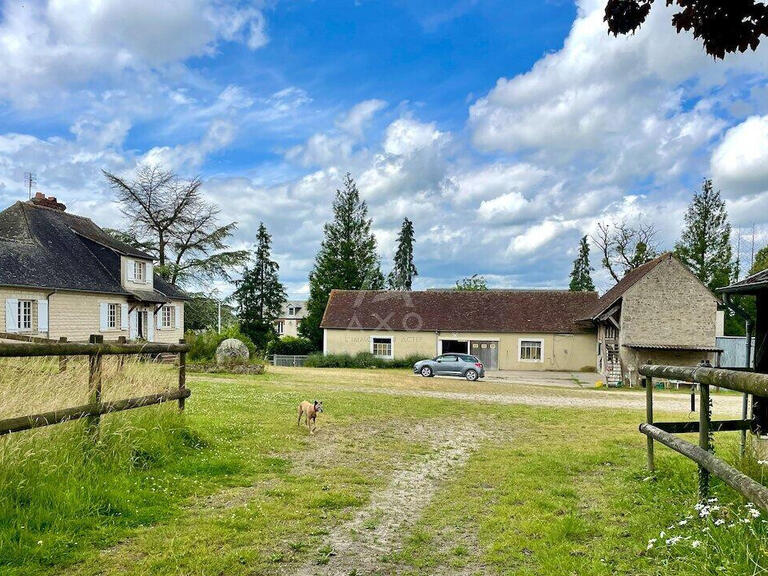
(468, 358)
(446, 358)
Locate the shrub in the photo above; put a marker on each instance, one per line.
(213, 368)
(360, 360)
(202, 345)
(292, 346)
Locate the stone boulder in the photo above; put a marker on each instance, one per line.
(231, 351)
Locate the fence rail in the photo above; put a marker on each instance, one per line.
(748, 383)
(96, 349)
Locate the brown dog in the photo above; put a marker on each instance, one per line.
(310, 410)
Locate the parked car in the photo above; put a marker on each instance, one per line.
(464, 365)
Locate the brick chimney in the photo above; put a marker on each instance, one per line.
(39, 199)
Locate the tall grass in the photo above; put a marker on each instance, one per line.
(64, 487)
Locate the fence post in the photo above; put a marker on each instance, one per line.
(705, 414)
(62, 359)
(649, 419)
(182, 374)
(121, 358)
(94, 381)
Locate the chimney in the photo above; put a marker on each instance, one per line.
(39, 199)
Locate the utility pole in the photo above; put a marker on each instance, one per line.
(29, 181)
(219, 307)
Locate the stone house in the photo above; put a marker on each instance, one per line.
(63, 276)
(293, 312)
(506, 329)
(658, 313)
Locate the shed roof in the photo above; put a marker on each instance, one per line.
(757, 282)
(520, 311)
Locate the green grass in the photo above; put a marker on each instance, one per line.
(233, 487)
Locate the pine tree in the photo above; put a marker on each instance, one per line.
(581, 281)
(402, 274)
(260, 295)
(347, 258)
(705, 245)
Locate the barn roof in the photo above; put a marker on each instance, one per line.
(548, 311)
(750, 285)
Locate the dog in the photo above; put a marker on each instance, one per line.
(310, 410)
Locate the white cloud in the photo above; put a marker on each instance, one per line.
(56, 44)
(740, 162)
(357, 119)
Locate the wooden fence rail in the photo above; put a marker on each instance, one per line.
(96, 349)
(747, 383)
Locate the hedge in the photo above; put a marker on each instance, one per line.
(361, 360)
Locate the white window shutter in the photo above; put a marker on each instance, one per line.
(148, 276)
(123, 316)
(42, 315)
(103, 313)
(177, 314)
(129, 270)
(159, 318)
(133, 322)
(11, 315)
(150, 328)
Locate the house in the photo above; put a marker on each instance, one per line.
(63, 276)
(506, 329)
(658, 313)
(290, 318)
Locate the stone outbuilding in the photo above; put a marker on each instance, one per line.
(658, 313)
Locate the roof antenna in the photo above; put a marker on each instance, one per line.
(29, 181)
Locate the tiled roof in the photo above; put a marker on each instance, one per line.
(613, 295)
(749, 285)
(549, 311)
(43, 247)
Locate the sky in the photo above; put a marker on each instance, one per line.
(504, 130)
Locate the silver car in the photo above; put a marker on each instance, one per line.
(464, 365)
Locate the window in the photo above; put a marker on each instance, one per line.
(25, 314)
(530, 350)
(381, 347)
(168, 317)
(279, 327)
(139, 271)
(447, 358)
(113, 313)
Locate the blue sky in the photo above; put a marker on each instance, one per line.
(505, 130)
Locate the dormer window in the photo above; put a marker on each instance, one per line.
(139, 271)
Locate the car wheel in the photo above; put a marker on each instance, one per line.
(426, 371)
(471, 375)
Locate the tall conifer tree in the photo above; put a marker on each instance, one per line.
(347, 258)
(402, 274)
(705, 245)
(581, 280)
(260, 295)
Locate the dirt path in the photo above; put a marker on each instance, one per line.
(362, 545)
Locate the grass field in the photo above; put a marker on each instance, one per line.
(404, 476)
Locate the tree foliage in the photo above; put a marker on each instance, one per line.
(761, 261)
(260, 295)
(625, 247)
(581, 280)
(705, 244)
(404, 270)
(170, 220)
(201, 312)
(724, 26)
(471, 283)
(347, 258)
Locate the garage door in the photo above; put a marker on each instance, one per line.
(488, 352)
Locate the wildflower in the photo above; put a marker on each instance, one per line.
(696, 543)
(651, 542)
(754, 513)
(719, 522)
(662, 534)
(712, 500)
(682, 522)
(674, 540)
(39, 542)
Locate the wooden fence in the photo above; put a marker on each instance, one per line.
(96, 349)
(665, 432)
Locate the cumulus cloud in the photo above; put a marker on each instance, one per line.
(740, 162)
(55, 44)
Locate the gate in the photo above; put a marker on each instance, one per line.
(488, 353)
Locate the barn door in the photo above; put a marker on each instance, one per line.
(488, 352)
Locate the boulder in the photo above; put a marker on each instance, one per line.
(231, 351)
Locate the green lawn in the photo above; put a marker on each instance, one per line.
(390, 484)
